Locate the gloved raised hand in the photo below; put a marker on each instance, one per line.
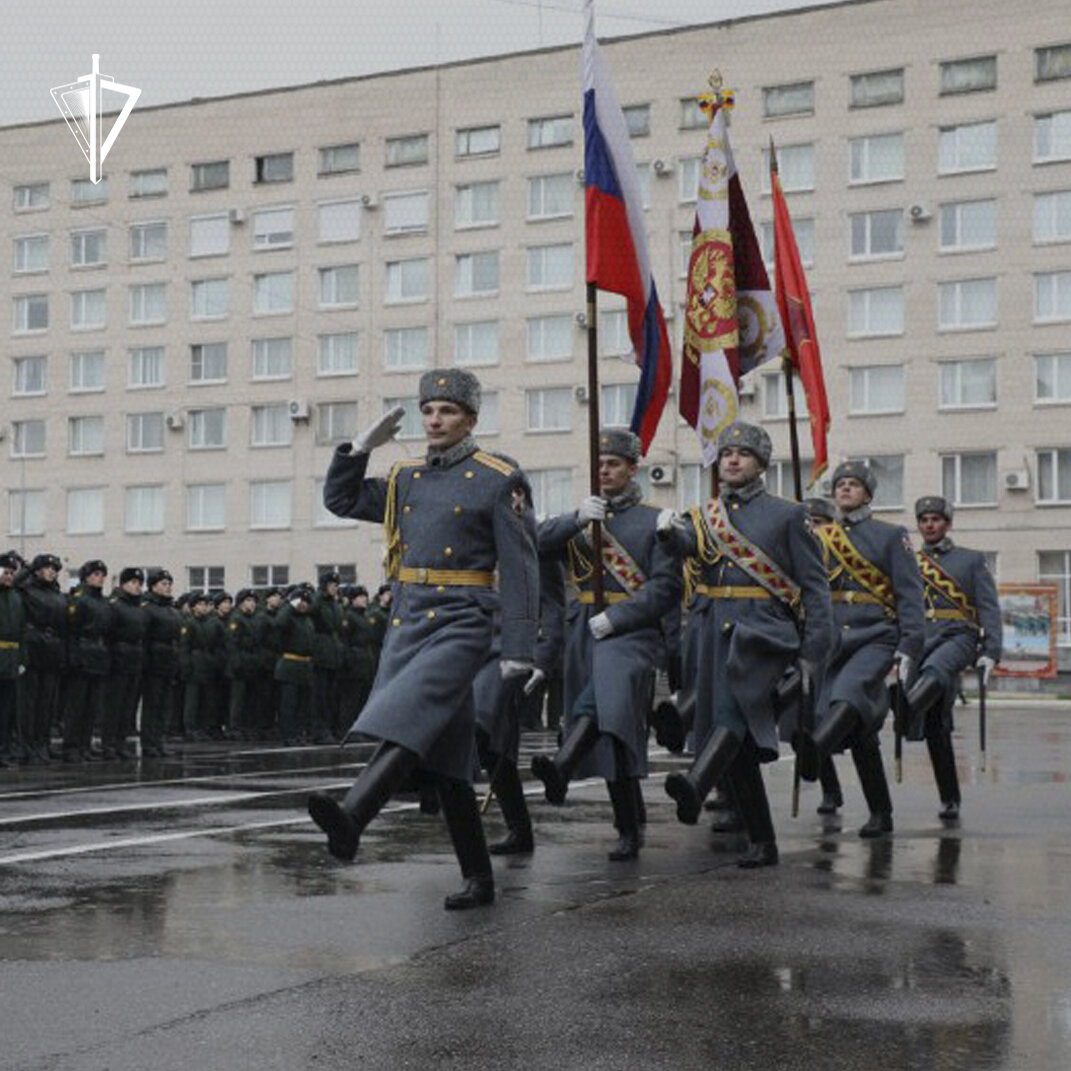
(986, 665)
(381, 432)
(600, 626)
(591, 509)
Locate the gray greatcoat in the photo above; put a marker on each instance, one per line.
(869, 637)
(744, 645)
(621, 666)
(952, 646)
(460, 509)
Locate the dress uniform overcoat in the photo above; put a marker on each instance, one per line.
(12, 624)
(46, 657)
(90, 620)
(129, 626)
(163, 623)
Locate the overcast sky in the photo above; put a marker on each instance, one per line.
(180, 49)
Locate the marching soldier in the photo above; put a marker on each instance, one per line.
(963, 628)
(761, 605)
(326, 660)
(163, 624)
(450, 519)
(877, 607)
(243, 664)
(89, 625)
(611, 656)
(129, 625)
(12, 623)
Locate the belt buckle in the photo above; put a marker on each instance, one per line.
(422, 575)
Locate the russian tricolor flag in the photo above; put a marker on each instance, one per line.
(617, 258)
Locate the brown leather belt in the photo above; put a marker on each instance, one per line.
(455, 578)
(733, 591)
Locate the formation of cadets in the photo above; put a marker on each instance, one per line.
(775, 622)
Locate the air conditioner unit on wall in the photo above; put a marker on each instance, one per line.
(662, 167)
(662, 475)
(299, 409)
(919, 213)
(236, 215)
(175, 421)
(1017, 480)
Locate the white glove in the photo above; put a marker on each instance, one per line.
(600, 626)
(381, 432)
(512, 667)
(534, 681)
(22, 670)
(986, 665)
(807, 671)
(668, 519)
(591, 509)
(905, 666)
(296, 602)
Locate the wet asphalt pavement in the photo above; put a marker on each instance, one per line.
(184, 914)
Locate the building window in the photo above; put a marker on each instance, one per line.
(211, 176)
(205, 507)
(340, 221)
(552, 490)
(489, 413)
(273, 228)
(876, 158)
(550, 338)
(802, 228)
(87, 192)
(272, 358)
(876, 234)
(274, 167)
(31, 253)
(476, 274)
(774, 396)
(969, 147)
(477, 140)
(26, 513)
(210, 299)
(273, 292)
(1052, 62)
(269, 576)
(148, 241)
(338, 287)
(968, 225)
(148, 303)
(476, 343)
(205, 577)
(1054, 567)
(1052, 216)
(888, 470)
(411, 426)
(88, 309)
(969, 479)
(31, 313)
(32, 197)
(144, 433)
(969, 75)
(967, 304)
(968, 384)
(208, 429)
(208, 362)
(1052, 377)
(322, 517)
(210, 236)
(347, 571)
(407, 280)
(150, 183)
(692, 116)
(1052, 137)
(336, 355)
(796, 98)
(144, 509)
(87, 248)
(1054, 476)
(550, 267)
(402, 152)
(336, 159)
(875, 88)
(876, 389)
(614, 340)
(688, 179)
(689, 486)
(638, 120)
(336, 422)
(269, 504)
(405, 213)
(476, 205)
(616, 403)
(28, 438)
(549, 409)
(270, 425)
(877, 311)
(550, 132)
(87, 371)
(795, 168)
(145, 367)
(550, 196)
(405, 348)
(1052, 296)
(85, 511)
(31, 376)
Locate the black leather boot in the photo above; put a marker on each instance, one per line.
(691, 788)
(749, 791)
(345, 822)
(871, 770)
(943, 760)
(626, 819)
(921, 700)
(510, 793)
(832, 797)
(462, 815)
(555, 771)
(667, 725)
(836, 727)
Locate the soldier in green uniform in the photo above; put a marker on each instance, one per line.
(12, 623)
(266, 688)
(129, 622)
(195, 658)
(163, 625)
(358, 652)
(243, 664)
(294, 666)
(326, 614)
(89, 627)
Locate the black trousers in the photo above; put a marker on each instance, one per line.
(157, 704)
(83, 705)
(294, 703)
(38, 707)
(8, 710)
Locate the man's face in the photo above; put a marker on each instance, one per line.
(360, 602)
(737, 467)
(614, 474)
(933, 527)
(48, 573)
(248, 605)
(274, 601)
(132, 587)
(225, 607)
(201, 609)
(7, 577)
(331, 589)
(95, 579)
(445, 423)
(850, 493)
(384, 600)
(161, 587)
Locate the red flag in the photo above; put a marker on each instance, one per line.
(794, 304)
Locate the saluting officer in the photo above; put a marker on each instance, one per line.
(450, 519)
(963, 628)
(611, 656)
(89, 627)
(162, 628)
(12, 624)
(129, 626)
(877, 606)
(761, 605)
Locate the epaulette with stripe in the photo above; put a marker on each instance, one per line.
(493, 462)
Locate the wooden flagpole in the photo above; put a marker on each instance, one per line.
(593, 442)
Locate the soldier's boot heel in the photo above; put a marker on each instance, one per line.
(691, 788)
(749, 790)
(555, 771)
(463, 823)
(871, 771)
(943, 760)
(668, 727)
(625, 801)
(759, 855)
(815, 748)
(510, 792)
(478, 892)
(832, 796)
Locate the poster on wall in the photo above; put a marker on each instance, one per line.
(1028, 614)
